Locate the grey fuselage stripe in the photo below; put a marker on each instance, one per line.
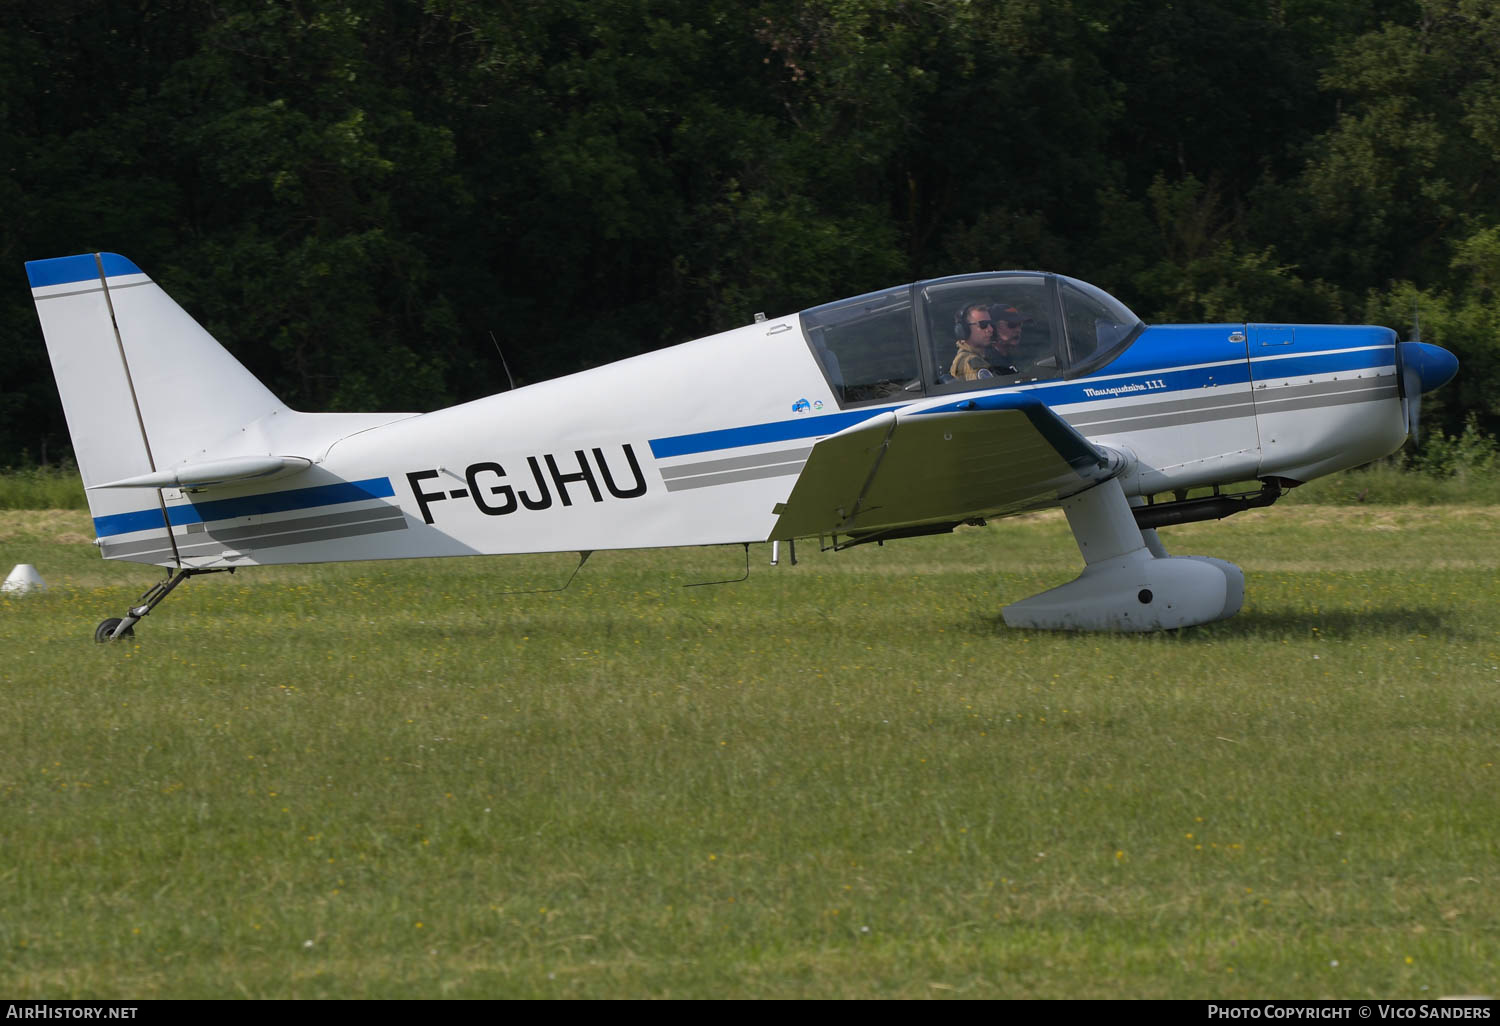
(1277, 399)
(358, 516)
(330, 527)
(1321, 387)
(1111, 425)
(1217, 400)
(1268, 405)
(730, 477)
(759, 459)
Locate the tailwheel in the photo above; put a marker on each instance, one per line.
(117, 627)
(106, 630)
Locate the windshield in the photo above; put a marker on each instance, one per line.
(1099, 325)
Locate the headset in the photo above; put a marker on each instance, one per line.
(961, 320)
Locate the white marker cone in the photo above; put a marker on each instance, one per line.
(23, 579)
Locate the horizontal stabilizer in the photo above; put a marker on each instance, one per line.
(214, 472)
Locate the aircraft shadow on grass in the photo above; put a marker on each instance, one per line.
(1340, 625)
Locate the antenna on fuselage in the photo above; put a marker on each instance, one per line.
(508, 376)
(583, 557)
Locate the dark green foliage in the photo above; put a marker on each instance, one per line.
(353, 194)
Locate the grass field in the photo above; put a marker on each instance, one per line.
(841, 779)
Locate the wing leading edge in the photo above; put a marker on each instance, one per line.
(942, 462)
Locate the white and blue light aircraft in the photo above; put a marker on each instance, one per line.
(843, 422)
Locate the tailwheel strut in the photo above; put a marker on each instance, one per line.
(117, 627)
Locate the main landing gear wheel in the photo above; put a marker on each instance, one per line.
(1129, 582)
(106, 630)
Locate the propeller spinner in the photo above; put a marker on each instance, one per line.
(1423, 367)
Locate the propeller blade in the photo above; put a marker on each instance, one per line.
(1412, 407)
(1421, 367)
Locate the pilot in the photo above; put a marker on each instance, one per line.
(980, 353)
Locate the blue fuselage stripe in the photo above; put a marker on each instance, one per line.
(127, 523)
(757, 434)
(1327, 363)
(246, 506)
(1105, 387)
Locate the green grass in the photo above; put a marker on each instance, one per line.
(1386, 484)
(44, 487)
(843, 779)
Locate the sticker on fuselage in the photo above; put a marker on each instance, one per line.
(1149, 385)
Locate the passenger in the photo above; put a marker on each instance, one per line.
(979, 354)
(1008, 321)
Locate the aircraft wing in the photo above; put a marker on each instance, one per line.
(941, 462)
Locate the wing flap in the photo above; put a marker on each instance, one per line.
(943, 460)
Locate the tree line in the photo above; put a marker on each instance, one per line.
(353, 195)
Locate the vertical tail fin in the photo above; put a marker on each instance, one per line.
(144, 387)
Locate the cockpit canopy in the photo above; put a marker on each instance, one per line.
(901, 343)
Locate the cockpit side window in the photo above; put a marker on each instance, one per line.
(990, 331)
(866, 346)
